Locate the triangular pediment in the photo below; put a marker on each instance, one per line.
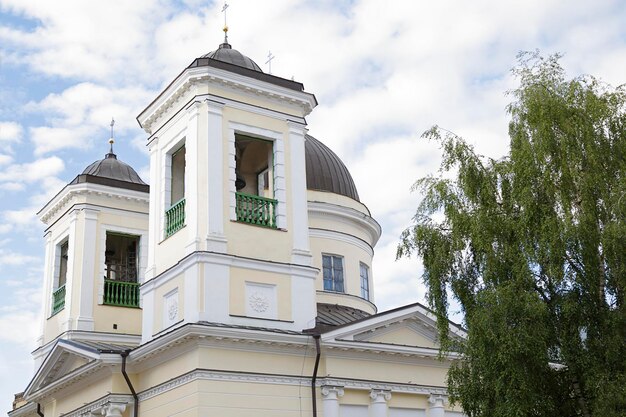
(65, 358)
(410, 327)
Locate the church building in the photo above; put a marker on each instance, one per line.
(238, 283)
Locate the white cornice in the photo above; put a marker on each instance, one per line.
(186, 333)
(29, 409)
(70, 191)
(79, 335)
(341, 237)
(347, 215)
(95, 407)
(214, 375)
(223, 101)
(225, 79)
(229, 260)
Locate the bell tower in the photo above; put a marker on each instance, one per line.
(228, 212)
(95, 257)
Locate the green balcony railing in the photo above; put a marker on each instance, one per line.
(175, 218)
(58, 299)
(256, 210)
(120, 293)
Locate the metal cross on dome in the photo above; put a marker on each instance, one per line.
(269, 61)
(111, 140)
(225, 25)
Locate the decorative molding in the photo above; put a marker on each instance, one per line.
(331, 392)
(328, 386)
(103, 406)
(70, 191)
(228, 260)
(342, 237)
(214, 77)
(348, 216)
(380, 395)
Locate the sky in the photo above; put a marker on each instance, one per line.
(383, 72)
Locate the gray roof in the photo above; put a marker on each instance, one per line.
(332, 315)
(325, 171)
(226, 53)
(113, 172)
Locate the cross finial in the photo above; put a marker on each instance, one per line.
(225, 25)
(269, 60)
(111, 140)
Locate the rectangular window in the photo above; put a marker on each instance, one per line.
(365, 283)
(58, 294)
(120, 281)
(177, 190)
(175, 214)
(332, 266)
(254, 183)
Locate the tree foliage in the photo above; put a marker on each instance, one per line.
(533, 248)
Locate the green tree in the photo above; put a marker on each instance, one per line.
(533, 248)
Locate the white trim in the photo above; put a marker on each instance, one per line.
(249, 108)
(70, 191)
(153, 209)
(341, 237)
(229, 260)
(192, 172)
(215, 238)
(214, 77)
(97, 407)
(299, 213)
(348, 216)
(303, 381)
(85, 321)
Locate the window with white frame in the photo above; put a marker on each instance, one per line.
(175, 214)
(60, 278)
(332, 266)
(365, 283)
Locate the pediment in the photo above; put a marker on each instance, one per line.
(65, 358)
(407, 333)
(413, 327)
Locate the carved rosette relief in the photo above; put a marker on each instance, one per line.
(258, 302)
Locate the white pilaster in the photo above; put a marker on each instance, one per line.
(190, 306)
(88, 240)
(330, 400)
(147, 318)
(192, 170)
(48, 278)
(436, 405)
(378, 406)
(216, 293)
(280, 183)
(71, 271)
(154, 216)
(216, 240)
(300, 219)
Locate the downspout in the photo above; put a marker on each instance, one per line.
(130, 385)
(39, 410)
(316, 337)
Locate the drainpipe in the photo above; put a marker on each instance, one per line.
(316, 337)
(39, 410)
(132, 390)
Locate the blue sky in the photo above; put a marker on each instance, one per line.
(383, 72)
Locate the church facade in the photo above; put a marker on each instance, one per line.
(239, 283)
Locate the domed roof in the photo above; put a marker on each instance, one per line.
(111, 171)
(226, 53)
(325, 171)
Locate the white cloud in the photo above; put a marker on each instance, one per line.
(5, 159)
(32, 171)
(10, 132)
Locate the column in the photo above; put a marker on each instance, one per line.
(436, 405)
(330, 400)
(192, 169)
(154, 215)
(113, 409)
(300, 252)
(215, 240)
(378, 406)
(71, 272)
(88, 240)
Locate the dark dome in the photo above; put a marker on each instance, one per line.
(325, 171)
(113, 172)
(226, 53)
